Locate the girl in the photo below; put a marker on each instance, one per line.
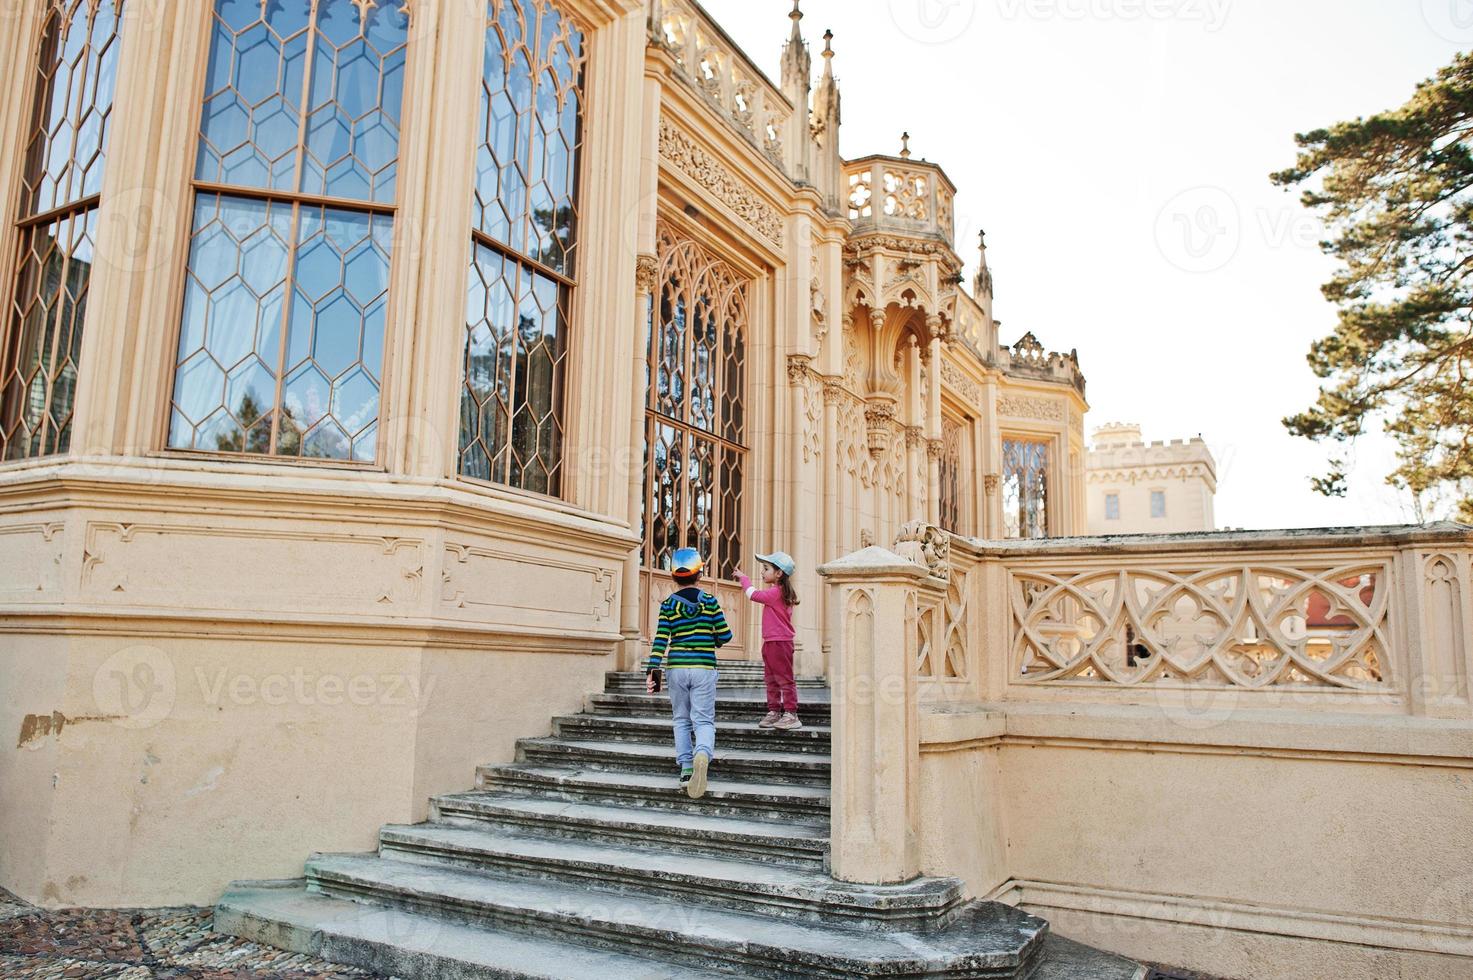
(777, 603)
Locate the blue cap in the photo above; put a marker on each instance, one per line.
(686, 561)
(780, 560)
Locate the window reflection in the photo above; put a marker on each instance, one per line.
(524, 219)
(282, 335)
(61, 183)
(1025, 488)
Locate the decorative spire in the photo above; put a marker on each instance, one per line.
(828, 53)
(797, 65)
(982, 284)
(905, 146)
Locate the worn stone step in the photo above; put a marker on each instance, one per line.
(729, 677)
(922, 905)
(792, 843)
(985, 940)
(730, 734)
(730, 706)
(744, 799)
(393, 942)
(809, 768)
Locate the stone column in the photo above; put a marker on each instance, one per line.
(933, 422)
(873, 624)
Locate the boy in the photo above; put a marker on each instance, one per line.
(691, 629)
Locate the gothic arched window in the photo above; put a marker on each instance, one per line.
(694, 411)
(524, 227)
(1025, 482)
(281, 344)
(65, 149)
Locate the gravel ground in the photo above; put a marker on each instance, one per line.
(140, 944)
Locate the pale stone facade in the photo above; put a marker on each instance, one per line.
(1135, 487)
(190, 595)
(239, 630)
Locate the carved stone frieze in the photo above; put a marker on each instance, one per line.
(690, 159)
(960, 383)
(1024, 407)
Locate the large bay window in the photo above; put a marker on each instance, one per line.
(524, 222)
(65, 148)
(282, 336)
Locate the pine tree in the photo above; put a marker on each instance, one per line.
(1395, 192)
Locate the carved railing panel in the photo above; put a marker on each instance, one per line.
(1248, 625)
(723, 74)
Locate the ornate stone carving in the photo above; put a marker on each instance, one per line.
(834, 392)
(879, 417)
(935, 448)
(799, 367)
(927, 545)
(959, 382)
(1024, 407)
(915, 436)
(646, 273)
(866, 538)
(683, 153)
(990, 483)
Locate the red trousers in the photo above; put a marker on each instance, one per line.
(777, 670)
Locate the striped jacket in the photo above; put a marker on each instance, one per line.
(690, 630)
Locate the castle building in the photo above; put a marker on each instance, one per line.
(1135, 487)
(366, 360)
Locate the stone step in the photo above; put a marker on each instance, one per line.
(807, 768)
(731, 705)
(730, 677)
(682, 875)
(730, 734)
(795, 844)
(394, 943)
(985, 940)
(741, 799)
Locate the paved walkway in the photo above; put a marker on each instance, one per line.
(139, 944)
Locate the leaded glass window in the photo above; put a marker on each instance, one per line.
(1112, 506)
(65, 149)
(282, 336)
(694, 410)
(1158, 503)
(524, 222)
(1025, 484)
(952, 466)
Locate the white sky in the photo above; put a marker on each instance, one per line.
(1088, 136)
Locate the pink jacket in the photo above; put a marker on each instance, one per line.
(777, 616)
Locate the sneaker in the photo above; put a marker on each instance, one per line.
(788, 722)
(769, 719)
(685, 775)
(696, 788)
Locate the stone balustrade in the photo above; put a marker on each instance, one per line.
(901, 196)
(722, 72)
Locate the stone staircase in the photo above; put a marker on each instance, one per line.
(585, 858)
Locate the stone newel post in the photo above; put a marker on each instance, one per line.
(876, 599)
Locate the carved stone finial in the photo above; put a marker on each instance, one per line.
(828, 48)
(905, 146)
